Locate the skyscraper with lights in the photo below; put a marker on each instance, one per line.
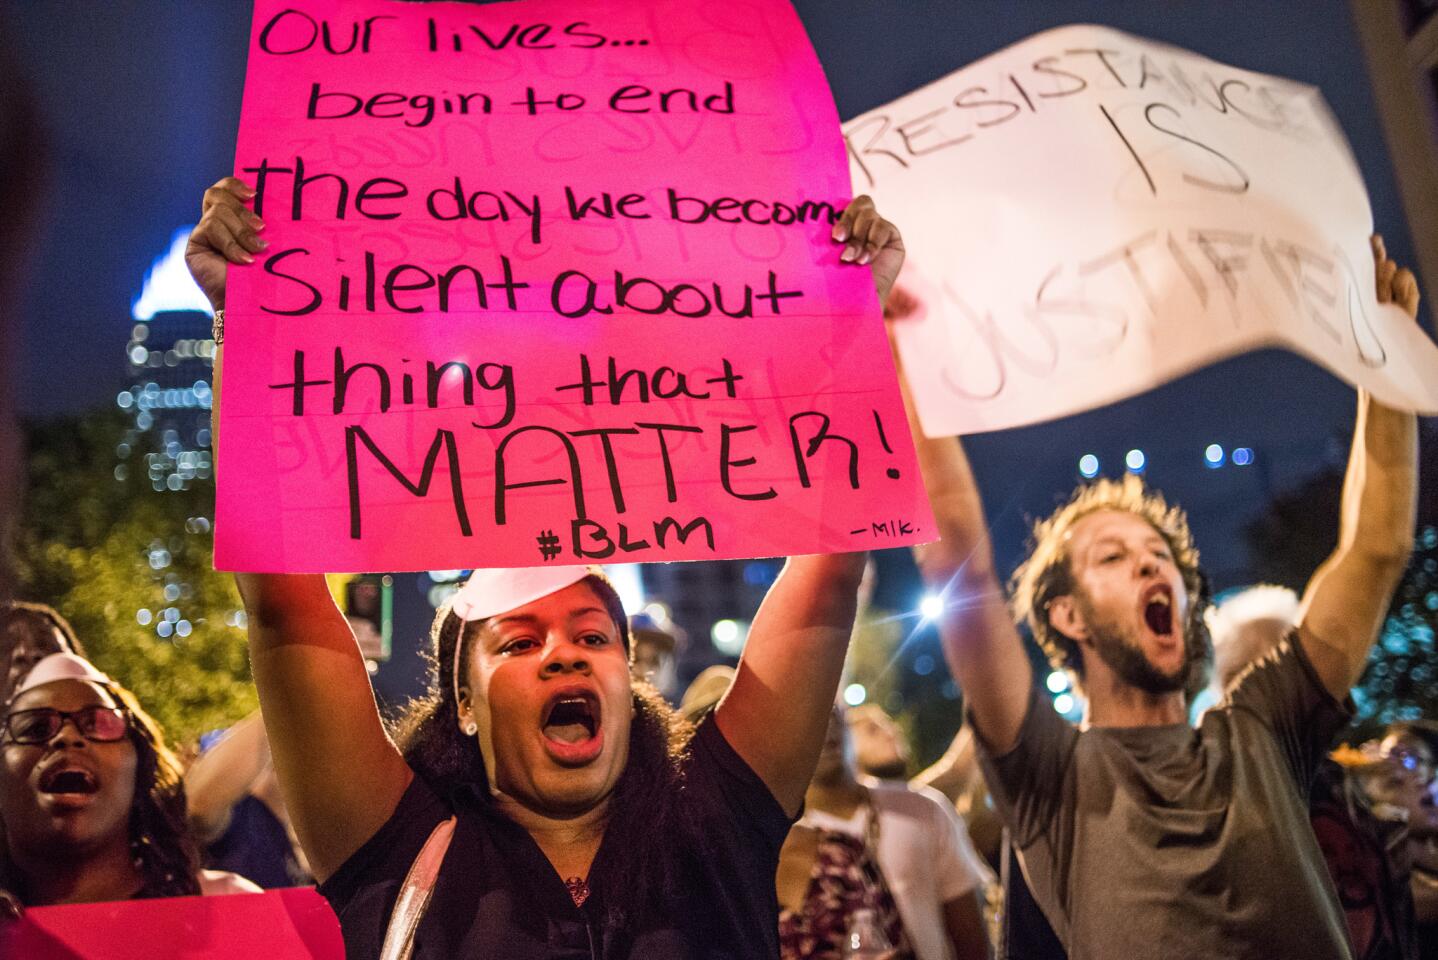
(169, 361)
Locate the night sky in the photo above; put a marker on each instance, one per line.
(143, 102)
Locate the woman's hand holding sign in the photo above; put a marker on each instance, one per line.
(870, 239)
(228, 232)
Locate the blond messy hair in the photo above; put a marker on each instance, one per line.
(1046, 573)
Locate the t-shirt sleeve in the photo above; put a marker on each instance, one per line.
(370, 879)
(1026, 782)
(1283, 691)
(958, 867)
(726, 786)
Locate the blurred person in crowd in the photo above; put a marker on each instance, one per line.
(1140, 835)
(1365, 849)
(880, 748)
(704, 693)
(1406, 792)
(655, 656)
(863, 844)
(532, 802)
(29, 632)
(958, 776)
(237, 812)
(1411, 744)
(881, 751)
(91, 799)
(1245, 627)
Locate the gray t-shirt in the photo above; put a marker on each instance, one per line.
(1171, 842)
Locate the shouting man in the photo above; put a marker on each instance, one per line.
(1143, 837)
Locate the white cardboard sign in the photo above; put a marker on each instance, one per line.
(1090, 214)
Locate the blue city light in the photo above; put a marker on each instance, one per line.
(1135, 461)
(1088, 466)
(1213, 456)
(1242, 456)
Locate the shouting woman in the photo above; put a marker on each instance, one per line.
(91, 801)
(540, 803)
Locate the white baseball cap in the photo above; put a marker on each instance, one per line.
(57, 667)
(490, 592)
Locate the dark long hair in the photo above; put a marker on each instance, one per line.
(160, 841)
(160, 838)
(642, 831)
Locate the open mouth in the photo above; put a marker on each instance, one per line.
(70, 780)
(572, 720)
(1158, 610)
(571, 731)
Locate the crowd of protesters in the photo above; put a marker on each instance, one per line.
(544, 799)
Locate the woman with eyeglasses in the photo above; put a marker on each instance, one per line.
(91, 800)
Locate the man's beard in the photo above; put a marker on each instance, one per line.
(895, 769)
(1131, 665)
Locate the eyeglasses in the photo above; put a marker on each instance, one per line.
(97, 723)
(1412, 761)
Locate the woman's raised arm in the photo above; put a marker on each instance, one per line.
(777, 710)
(340, 774)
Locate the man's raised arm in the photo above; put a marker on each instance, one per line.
(981, 644)
(1347, 599)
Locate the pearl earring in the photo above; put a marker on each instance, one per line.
(471, 728)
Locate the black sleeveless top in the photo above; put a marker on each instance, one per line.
(499, 897)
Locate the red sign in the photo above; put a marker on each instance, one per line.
(279, 925)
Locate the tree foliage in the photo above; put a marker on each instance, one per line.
(1401, 682)
(131, 568)
(1300, 529)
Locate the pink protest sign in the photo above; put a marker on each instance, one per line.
(549, 282)
(279, 925)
